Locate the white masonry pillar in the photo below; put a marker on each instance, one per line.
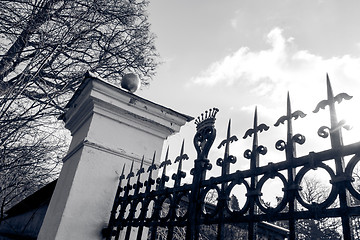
(110, 127)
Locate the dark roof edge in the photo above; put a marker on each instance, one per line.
(33, 201)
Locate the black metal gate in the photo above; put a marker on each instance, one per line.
(153, 205)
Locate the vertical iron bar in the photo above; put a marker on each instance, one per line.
(161, 185)
(290, 154)
(138, 185)
(254, 163)
(337, 143)
(120, 223)
(203, 140)
(225, 170)
(115, 206)
(177, 182)
(146, 201)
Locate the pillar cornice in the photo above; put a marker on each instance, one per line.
(96, 96)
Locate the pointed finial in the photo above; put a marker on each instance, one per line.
(329, 88)
(228, 129)
(141, 169)
(288, 104)
(153, 165)
(182, 156)
(255, 118)
(122, 176)
(131, 174)
(182, 147)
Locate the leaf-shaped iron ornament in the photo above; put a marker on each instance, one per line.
(227, 159)
(163, 178)
(295, 115)
(152, 167)
(165, 163)
(230, 140)
(338, 98)
(131, 173)
(182, 157)
(251, 131)
(141, 169)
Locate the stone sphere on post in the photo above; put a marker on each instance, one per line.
(130, 82)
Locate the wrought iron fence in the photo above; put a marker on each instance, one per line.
(154, 206)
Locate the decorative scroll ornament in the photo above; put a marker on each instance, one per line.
(182, 157)
(163, 179)
(260, 149)
(324, 130)
(226, 143)
(297, 138)
(231, 159)
(253, 132)
(148, 183)
(206, 133)
(280, 145)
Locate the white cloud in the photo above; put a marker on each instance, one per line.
(279, 68)
(234, 23)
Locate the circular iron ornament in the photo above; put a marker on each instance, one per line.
(299, 138)
(283, 202)
(280, 145)
(166, 216)
(262, 150)
(219, 162)
(183, 205)
(328, 201)
(232, 159)
(349, 171)
(247, 154)
(323, 131)
(245, 208)
(210, 205)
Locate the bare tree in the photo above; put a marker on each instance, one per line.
(314, 191)
(46, 47)
(355, 220)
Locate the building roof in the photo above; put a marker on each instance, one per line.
(33, 201)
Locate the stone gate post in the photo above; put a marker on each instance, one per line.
(110, 127)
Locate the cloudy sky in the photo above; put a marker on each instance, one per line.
(236, 55)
